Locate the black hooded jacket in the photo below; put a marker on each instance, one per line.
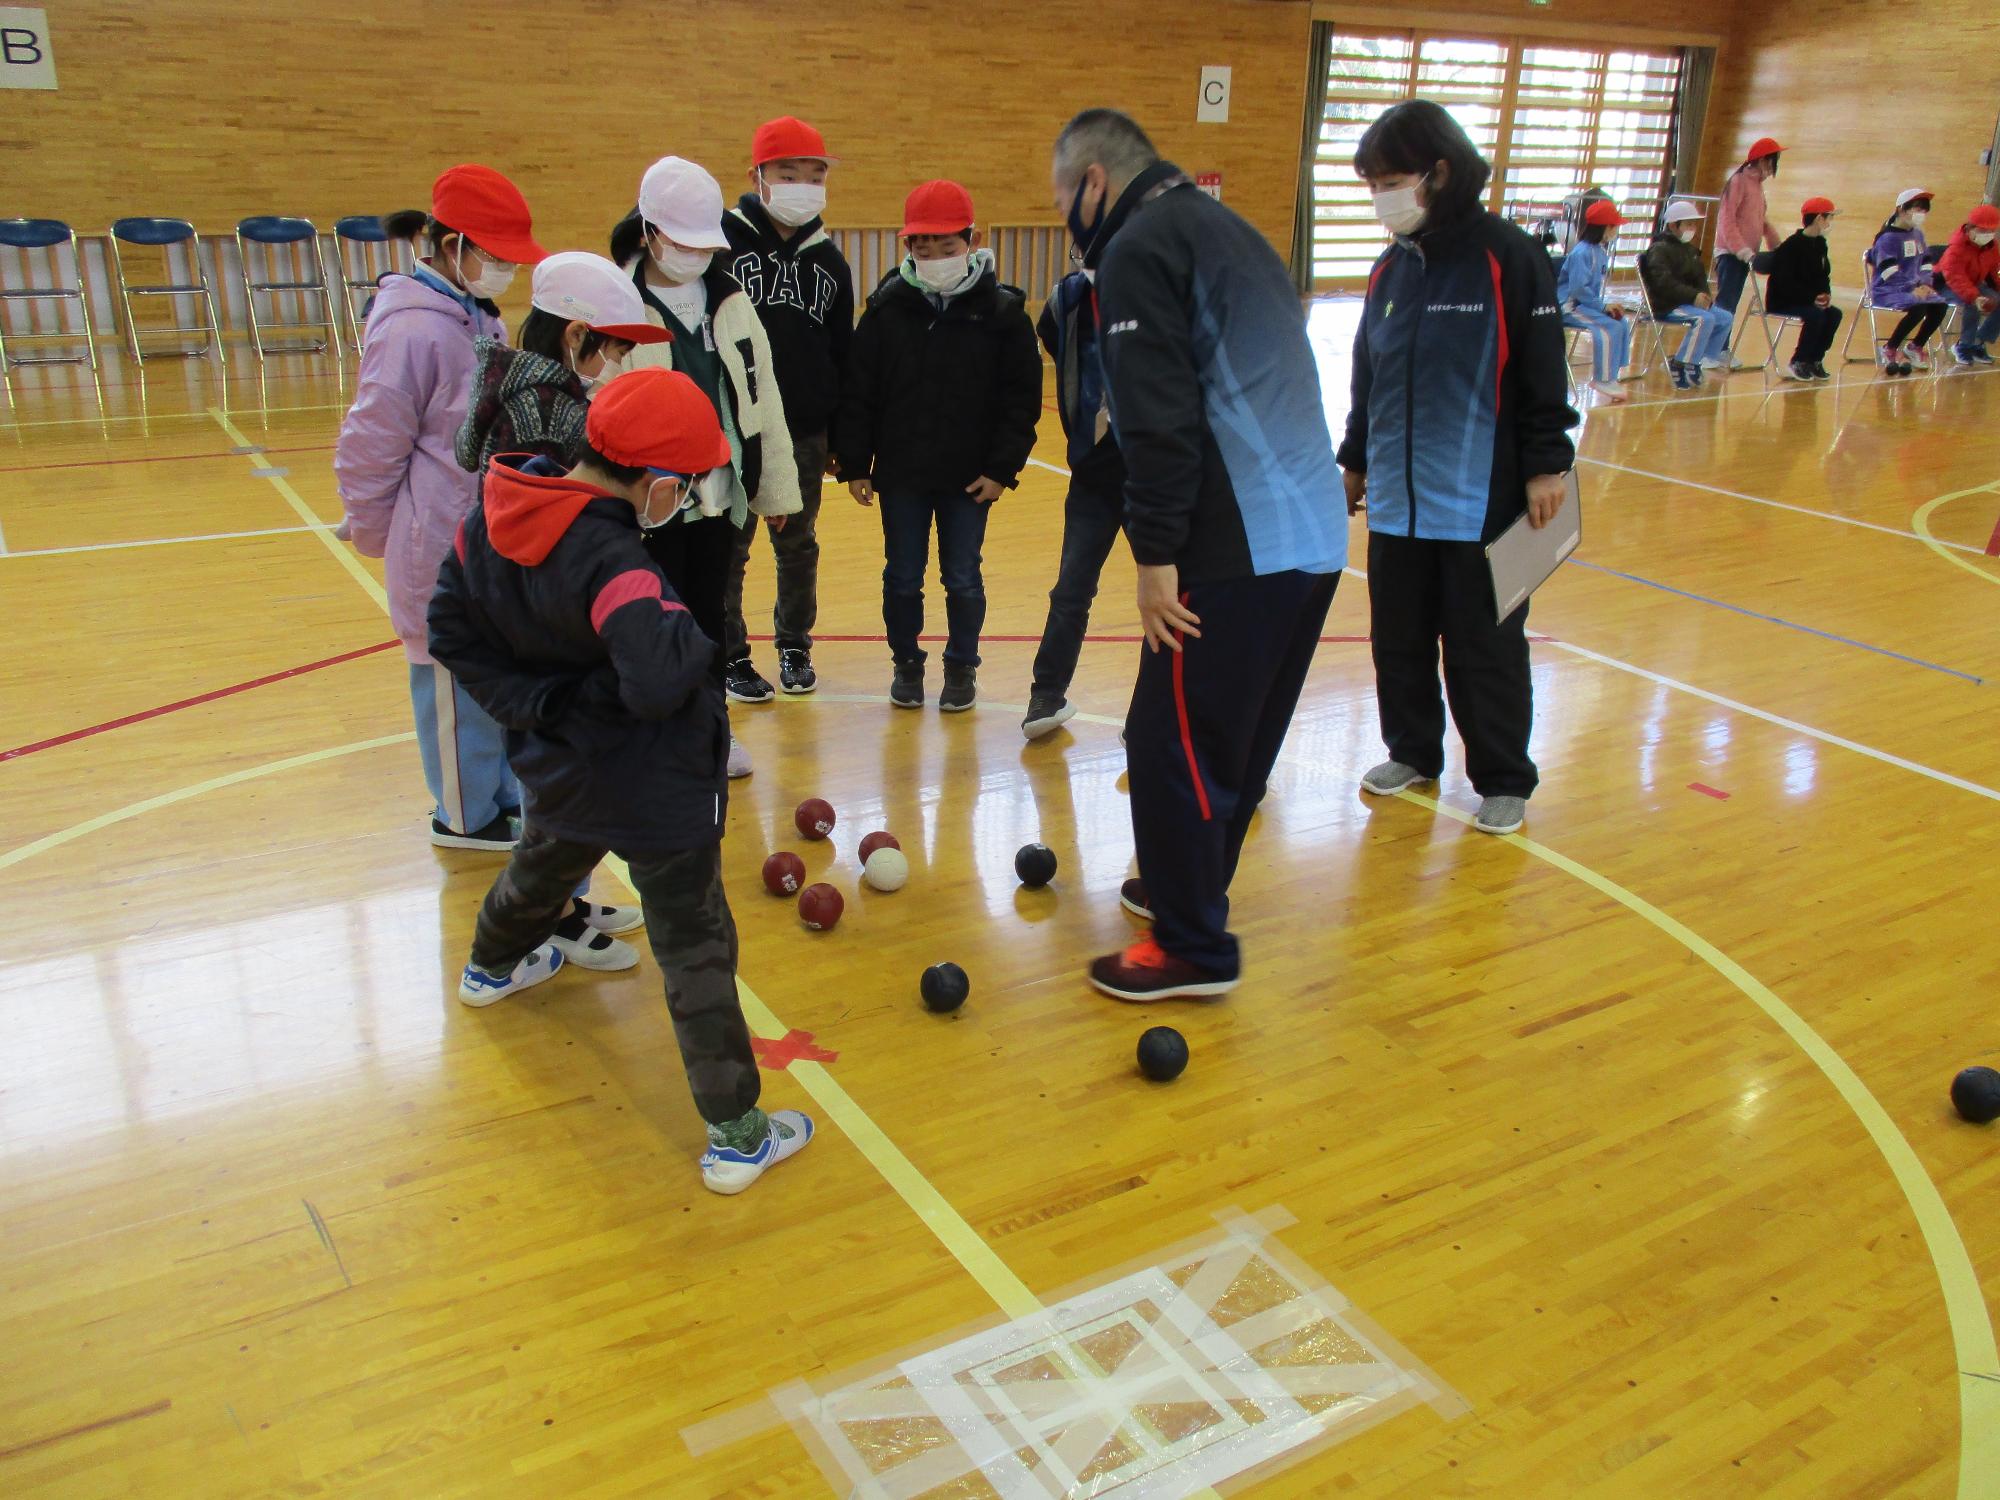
(803, 291)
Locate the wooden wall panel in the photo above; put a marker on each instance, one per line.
(213, 109)
(1867, 105)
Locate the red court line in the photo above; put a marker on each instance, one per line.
(1708, 791)
(1993, 542)
(167, 708)
(165, 458)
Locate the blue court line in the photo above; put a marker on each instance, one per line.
(1737, 609)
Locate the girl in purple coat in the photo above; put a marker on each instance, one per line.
(403, 490)
(1901, 276)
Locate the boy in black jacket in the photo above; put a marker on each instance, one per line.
(1094, 509)
(937, 417)
(558, 624)
(1801, 287)
(801, 286)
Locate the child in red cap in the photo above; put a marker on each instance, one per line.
(1801, 286)
(1970, 271)
(937, 418)
(803, 290)
(403, 490)
(552, 614)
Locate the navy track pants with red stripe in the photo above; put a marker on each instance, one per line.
(1203, 732)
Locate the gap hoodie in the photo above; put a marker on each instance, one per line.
(803, 291)
(399, 476)
(551, 615)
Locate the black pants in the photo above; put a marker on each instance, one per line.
(695, 556)
(796, 551)
(1817, 326)
(690, 929)
(907, 516)
(1091, 521)
(1929, 316)
(1203, 732)
(1421, 592)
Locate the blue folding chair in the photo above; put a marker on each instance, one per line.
(49, 235)
(285, 254)
(364, 254)
(166, 235)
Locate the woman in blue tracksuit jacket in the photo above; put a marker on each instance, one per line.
(1460, 422)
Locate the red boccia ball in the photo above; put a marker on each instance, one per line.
(820, 907)
(814, 818)
(875, 841)
(784, 873)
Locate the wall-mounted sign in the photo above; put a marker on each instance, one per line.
(1212, 107)
(27, 61)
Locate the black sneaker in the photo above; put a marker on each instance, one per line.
(1980, 356)
(906, 689)
(1047, 712)
(743, 683)
(1683, 377)
(496, 837)
(795, 670)
(1798, 369)
(961, 689)
(1132, 896)
(1820, 371)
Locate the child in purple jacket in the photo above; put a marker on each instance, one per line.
(403, 490)
(1901, 277)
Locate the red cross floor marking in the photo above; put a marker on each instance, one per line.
(793, 1046)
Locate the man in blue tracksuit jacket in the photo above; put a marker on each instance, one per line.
(1234, 514)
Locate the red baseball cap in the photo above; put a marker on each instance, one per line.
(788, 139)
(1605, 212)
(488, 210)
(657, 419)
(940, 207)
(1762, 147)
(1986, 216)
(1813, 207)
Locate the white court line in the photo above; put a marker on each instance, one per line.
(1804, 510)
(157, 541)
(1778, 388)
(3, 541)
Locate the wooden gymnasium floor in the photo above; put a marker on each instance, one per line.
(1633, 1131)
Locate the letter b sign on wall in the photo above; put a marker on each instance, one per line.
(27, 61)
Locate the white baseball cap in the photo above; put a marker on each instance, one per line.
(1910, 195)
(579, 287)
(1680, 209)
(684, 203)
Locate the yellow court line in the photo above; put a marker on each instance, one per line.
(324, 532)
(1920, 523)
(182, 794)
(1964, 1302)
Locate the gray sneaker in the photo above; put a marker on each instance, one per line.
(1501, 814)
(1391, 777)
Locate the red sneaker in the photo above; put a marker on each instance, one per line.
(1146, 971)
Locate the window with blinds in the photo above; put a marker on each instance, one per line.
(1554, 118)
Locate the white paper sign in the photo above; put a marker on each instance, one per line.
(27, 61)
(1212, 108)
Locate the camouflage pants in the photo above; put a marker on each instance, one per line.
(693, 937)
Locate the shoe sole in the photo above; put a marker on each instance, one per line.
(1136, 909)
(481, 999)
(799, 692)
(633, 919)
(954, 708)
(1513, 827)
(895, 702)
(574, 952)
(463, 841)
(1401, 786)
(1036, 729)
(1210, 991)
(736, 697)
(739, 775)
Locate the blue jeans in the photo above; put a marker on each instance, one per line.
(1707, 335)
(464, 752)
(906, 551)
(1974, 332)
(1730, 276)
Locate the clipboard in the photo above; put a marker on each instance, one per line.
(1521, 558)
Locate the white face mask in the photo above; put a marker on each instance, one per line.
(944, 273)
(682, 266)
(794, 203)
(607, 372)
(489, 283)
(1399, 208)
(1917, 217)
(1982, 236)
(1687, 236)
(679, 494)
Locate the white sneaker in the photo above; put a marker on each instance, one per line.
(739, 760)
(1612, 393)
(727, 1170)
(1719, 363)
(587, 948)
(1391, 777)
(612, 918)
(477, 987)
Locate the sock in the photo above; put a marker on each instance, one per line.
(744, 1133)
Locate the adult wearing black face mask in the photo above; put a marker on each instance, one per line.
(1460, 421)
(1232, 511)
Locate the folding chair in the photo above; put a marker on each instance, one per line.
(165, 234)
(363, 254)
(271, 234)
(50, 235)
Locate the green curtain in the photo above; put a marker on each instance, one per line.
(1315, 116)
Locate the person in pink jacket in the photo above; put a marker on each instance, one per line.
(403, 491)
(1743, 226)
